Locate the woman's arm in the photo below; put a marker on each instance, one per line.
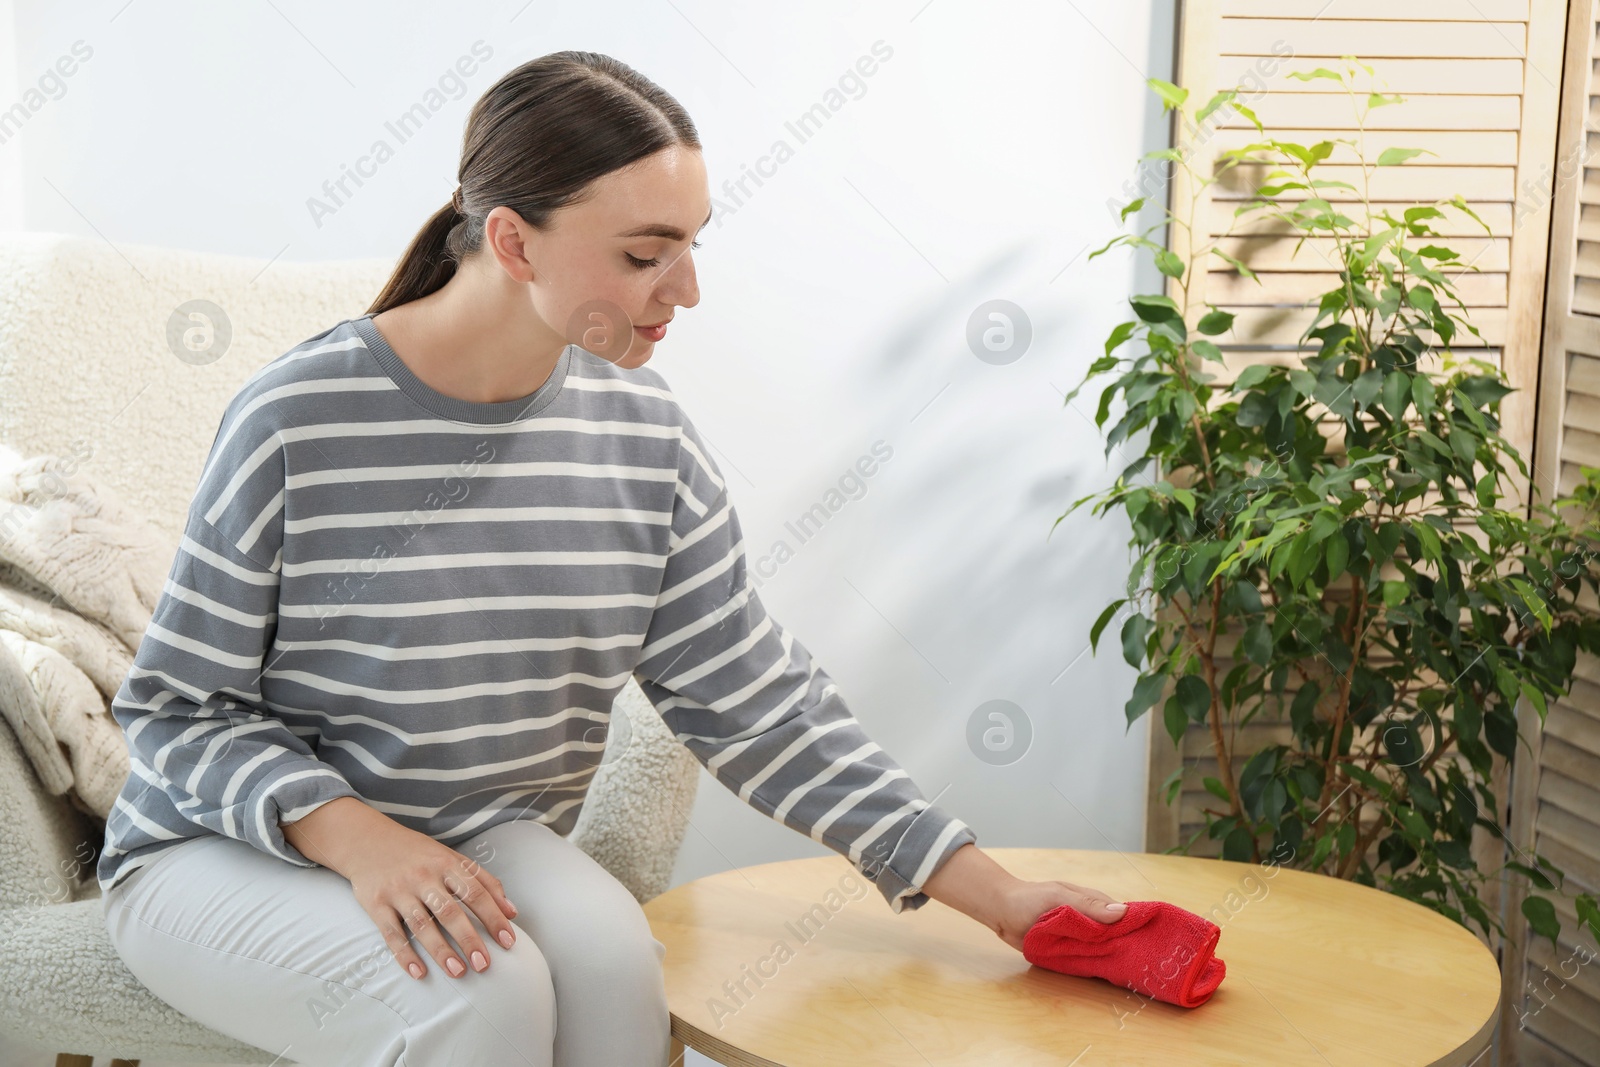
(974, 884)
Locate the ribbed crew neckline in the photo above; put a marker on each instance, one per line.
(454, 408)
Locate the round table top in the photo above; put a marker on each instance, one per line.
(802, 964)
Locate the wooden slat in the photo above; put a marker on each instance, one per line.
(1455, 148)
(1235, 360)
(1568, 1020)
(1332, 38)
(1296, 288)
(1271, 253)
(1576, 726)
(1577, 858)
(1585, 296)
(1570, 476)
(1534, 1051)
(1579, 800)
(1497, 216)
(1583, 375)
(1337, 114)
(1470, 77)
(1568, 759)
(1322, 10)
(1283, 326)
(1587, 263)
(1424, 185)
(1589, 189)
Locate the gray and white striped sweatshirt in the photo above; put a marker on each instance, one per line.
(430, 604)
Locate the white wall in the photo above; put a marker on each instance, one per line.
(976, 165)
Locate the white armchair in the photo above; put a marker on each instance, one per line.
(94, 361)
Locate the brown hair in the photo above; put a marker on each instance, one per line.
(534, 141)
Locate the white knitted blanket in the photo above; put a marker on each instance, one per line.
(79, 578)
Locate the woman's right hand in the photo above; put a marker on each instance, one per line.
(407, 880)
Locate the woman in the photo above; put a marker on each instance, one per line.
(428, 548)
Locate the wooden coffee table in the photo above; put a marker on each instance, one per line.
(802, 964)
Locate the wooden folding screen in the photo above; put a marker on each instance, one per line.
(1482, 83)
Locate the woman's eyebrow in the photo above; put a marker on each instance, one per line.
(662, 229)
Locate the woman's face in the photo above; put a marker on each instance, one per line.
(606, 270)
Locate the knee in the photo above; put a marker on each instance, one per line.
(620, 951)
(509, 1008)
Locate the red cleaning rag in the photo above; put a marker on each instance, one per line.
(1157, 949)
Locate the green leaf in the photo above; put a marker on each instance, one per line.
(1431, 549)
(1256, 643)
(1533, 874)
(1393, 157)
(1134, 631)
(1146, 691)
(1338, 552)
(1216, 789)
(1413, 823)
(1252, 376)
(1487, 490)
(1236, 264)
(1131, 207)
(1302, 558)
(1174, 720)
(1379, 100)
(1530, 597)
(1365, 388)
(1214, 322)
(1254, 410)
(1541, 915)
(1588, 909)
(1422, 394)
(1100, 623)
(1120, 335)
(1169, 263)
(1482, 390)
(1171, 95)
(1206, 350)
(1249, 597)
(1152, 308)
(1455, 854)
(1214, 103)
(1304, 708)
(1421, 297)
(1394, 593)
(1396, 393)
(1320, 72)
(1325, 523)
(1194, 697)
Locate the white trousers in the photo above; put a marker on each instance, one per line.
(284, 958)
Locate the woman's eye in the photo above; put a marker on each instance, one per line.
(646, 264)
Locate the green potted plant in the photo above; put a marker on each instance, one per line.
(1375, 598)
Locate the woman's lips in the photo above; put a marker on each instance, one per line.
(653, 333)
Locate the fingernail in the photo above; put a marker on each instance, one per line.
(512, 906)
(416, 970)
(505, 938)
(453, 965)
(1116, 907)
(479, 960)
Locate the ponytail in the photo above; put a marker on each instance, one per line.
(533, 143)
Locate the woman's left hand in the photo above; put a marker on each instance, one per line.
(1023, 903)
